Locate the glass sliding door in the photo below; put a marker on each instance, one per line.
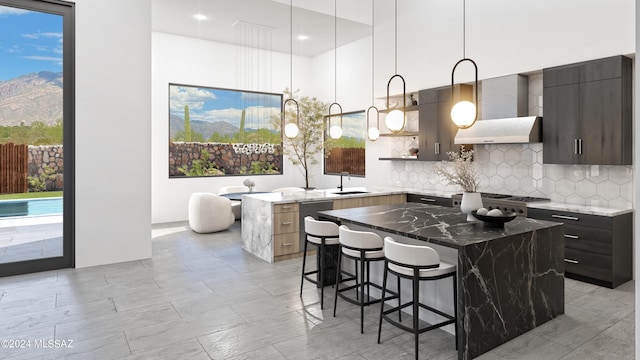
(36, 136)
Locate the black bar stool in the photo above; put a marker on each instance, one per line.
(416, 263)
(321, 234)
(361, 247)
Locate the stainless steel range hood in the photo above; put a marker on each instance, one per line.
(526, 129)
(504, 108)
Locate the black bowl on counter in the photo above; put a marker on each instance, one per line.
(494, 221)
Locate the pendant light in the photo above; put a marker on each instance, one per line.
(291, 129)
(464, 113)
(335, 131)
(395, 119)
(373, 132)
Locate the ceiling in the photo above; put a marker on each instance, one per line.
(266, 23)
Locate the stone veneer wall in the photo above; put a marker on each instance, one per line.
(227, 156)
(518, 169)
(43, 156)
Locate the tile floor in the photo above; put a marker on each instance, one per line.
(202, 297)
(31, 237)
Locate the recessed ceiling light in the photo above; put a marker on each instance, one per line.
(200, 17)
(302, 37)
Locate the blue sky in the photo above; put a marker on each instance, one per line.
(29, 42)
(211, 105)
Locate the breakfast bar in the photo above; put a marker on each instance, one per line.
(511, 279)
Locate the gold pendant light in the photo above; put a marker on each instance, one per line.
(395, 119)
(291, 129)
(335, 131)
(373, 132)
(464, 113)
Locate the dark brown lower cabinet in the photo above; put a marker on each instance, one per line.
(598, 249)
(431, 200)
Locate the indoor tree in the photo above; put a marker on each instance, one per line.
(302, 149)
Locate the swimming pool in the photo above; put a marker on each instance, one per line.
(31, 207)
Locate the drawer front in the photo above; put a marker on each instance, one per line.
(431, 200)
(282, 208)
(565, 217)
(590, 239)
(284, 223)
(596, 266)
(285, 244)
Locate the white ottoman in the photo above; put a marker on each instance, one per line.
(209, 213)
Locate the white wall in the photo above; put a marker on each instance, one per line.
(112, 103)
(182, 60)
(503, 38)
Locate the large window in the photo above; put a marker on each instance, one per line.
(218, 132)
(36, 135)
(348, 152)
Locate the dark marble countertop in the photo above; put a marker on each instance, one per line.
(436, 224)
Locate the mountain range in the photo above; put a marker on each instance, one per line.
(205, 128)
(31, 97)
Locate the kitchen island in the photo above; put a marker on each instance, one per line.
(511, 280)
(273, 223)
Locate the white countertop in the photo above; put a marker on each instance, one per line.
(330, 194)
(582, 209)
(317, 195)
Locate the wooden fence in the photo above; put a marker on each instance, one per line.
(13, 168)
(345, 159)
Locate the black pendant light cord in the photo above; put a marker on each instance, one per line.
(335, 51)
(373, 43)
(464, 29)
(396, 35)
(291, 46)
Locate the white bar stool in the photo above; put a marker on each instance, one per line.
(417, 263)
(363, 247)
(322, 234)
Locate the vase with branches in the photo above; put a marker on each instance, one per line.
(302, 150)
(459, 170)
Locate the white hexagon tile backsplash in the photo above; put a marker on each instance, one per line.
(518, 169)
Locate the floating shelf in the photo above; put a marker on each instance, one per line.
(413, 158)
(402, 133)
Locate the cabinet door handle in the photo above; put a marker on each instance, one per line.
(565, 217)
(575, 146)
(580, 146)
(287, 244)
(287, 223)
(427, 200)
(286, 206)
(435, 148)
(571, 261)
(571, 236)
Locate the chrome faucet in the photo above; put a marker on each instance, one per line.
(344, 173)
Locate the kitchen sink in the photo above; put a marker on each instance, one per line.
(351, 192)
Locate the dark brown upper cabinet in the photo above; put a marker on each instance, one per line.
(587, 112)
(437, 130)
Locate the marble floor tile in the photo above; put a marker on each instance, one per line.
(202, 297)
(176, 331)
(602, 347)
(118, 322)
(188, 349)
(252, 336)
(265, 353)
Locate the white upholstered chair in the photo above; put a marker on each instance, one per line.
(415, 263)
(209, 213)
(235, 205)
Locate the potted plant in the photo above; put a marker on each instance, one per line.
(302, 149)
(459, 170)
